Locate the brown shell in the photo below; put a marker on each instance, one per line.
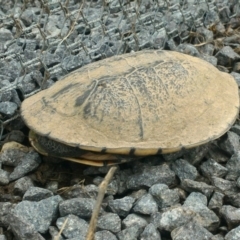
(139, 103)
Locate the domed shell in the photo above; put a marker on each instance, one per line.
(139, 103)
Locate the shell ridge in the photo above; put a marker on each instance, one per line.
(139, 108)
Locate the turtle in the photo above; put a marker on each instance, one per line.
(130, 106)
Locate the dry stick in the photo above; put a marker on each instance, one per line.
(96, 210)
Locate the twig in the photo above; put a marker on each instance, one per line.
(96, 210)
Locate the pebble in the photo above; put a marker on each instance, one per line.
(8, 108)
(38, 214)
(233, 234)
(164, 196)
(191, 231)
(211, 168)
(195, 186)
(37, 194)
(121, 206)
(81, 207)
(151, 175)
(75, 226)
(183, 195)
(110, 222)
(184, 170)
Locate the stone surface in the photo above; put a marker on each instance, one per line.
(133, 219)
(28, 163)
(197, 202)
(121, 206)
(75, 227)
(231, 215)
(38, 214)
(150, 232)
(164, 196)
(211, 168)
(110, 222)
(81, 207)
(184, 170)
(194, 186)
(146, 205)
(191, 231)
(233, 234)
(151, 175)
(37, 194)
(41, 42)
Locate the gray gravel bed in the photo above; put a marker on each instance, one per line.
(191, 194)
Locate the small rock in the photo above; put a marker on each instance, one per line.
(225, 186)
(4, 177)
(23, 229)
(121, 206)
(233, 166)
(203, 35)
(82, 192)
(52, 186)
(103, 235)
(146, 205)
(217, 237)
(236, 67)
(6, 208)
(231, 215)
(211, 168)
(190, 231)
(229, 142)
(234, 234)
(130, 233)
(15, 136)
(5, 35)
(236, 127)
(184, 170)
(22, 185)
(188, 49)
(112, 188)
(195, 155)
(164, 196)
(197, 202)
(8, 108)
(37, 194)
(51, 59)
(110, 222)
(226, 56)
(28, 163)
(173, 218)
(134, 219)
(81, 207)
(54, 232)
(194, 186)
(138, 194)
(237, 78)
(75, 227)
(234, 199)
(216, 202)
(150, 232)
(151, 175)
(38, 214)
(28, 16)
(12, 153)
(217, 154)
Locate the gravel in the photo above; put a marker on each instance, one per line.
(192, 194)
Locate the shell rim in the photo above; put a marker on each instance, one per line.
(144, 151)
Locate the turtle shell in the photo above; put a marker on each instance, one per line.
(140, 103)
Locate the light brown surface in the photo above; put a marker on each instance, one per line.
(145, 101)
